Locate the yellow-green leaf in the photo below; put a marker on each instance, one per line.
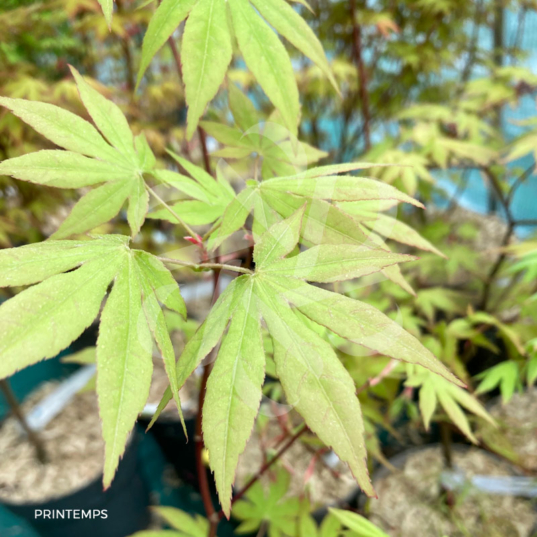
(95, 208)
(268, 60)
(63, 128)
(330, 263)
(124, 365)
(43, 320)
(62, 169)
(167, 17)
(234, 394)
(108, 117)
(316, 384)
(206, 55)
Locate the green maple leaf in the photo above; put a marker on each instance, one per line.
(210, 197)
(436, 390)
(116, 164)
(506, 376)
(184, 525)
(260, 506)
(45, 318)
(314, 380)
(281, 154)
(359, 526)
(207, 49)
(324, 223)
(336, 223)
(108, 8)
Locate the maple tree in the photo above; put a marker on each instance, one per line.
(310, 228)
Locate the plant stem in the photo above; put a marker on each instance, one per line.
(390, 366)
(198, 266)
(362, 76)
(204, 150)
(511, 224)
(125, 46)
(445, 435)
(201, 471)
(188, 229)
(302, 429)
(15, 407)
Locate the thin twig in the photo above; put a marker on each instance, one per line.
(362, 76)
(505, 202)
(526, 222)
(201, 471)
(519, 181)
(15, 407)
(390, 366)
(201, 266)
(204, 150)
(302, 429)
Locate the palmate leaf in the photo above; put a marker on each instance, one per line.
(257, 137)
(313, 378)
(116, 166)
(211, 197)
(184, 525)
(324, 222)
(436, 390)
(261, 506)
(207, 49)
(505, 375)
(44, 319)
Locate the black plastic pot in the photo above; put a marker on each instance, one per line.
(178, 452)
(123, 508)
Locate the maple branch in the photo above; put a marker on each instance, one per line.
(204, 150)
(362, 76)
(390, 366)
(200, 266)
(521, 179)
(201, 471)
(125, 47)
(302, 429)
(16, 409)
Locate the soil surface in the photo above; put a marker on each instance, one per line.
(412, 504)
(73, 444)
(517, 422)
(330, 483)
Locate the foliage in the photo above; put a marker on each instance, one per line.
(387, 117)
